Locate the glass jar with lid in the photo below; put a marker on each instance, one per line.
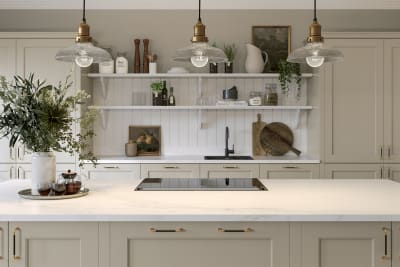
(255, 98)
(271, 94)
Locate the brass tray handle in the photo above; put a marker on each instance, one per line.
(111, 167)
(246, 230)
(16, 230)
(386, 256)
(177, 230)
(230, 167)
(290, 167)
(171, 167)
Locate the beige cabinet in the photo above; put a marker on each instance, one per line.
(111, 173)
(362, 94)
(169, 170)
(208, 244)
(346, 244)
(3, 244)
(44, 244)
(354, 171)
(289, 171)
(229, 170)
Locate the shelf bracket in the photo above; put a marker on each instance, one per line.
(104, 118)
(103, 88)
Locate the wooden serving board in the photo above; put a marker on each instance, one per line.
(258, 126)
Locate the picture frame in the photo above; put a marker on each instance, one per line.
(147, 138)
(276, 41)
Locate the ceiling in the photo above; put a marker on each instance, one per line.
(206, 4)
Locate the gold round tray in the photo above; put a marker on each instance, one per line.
(27, 194)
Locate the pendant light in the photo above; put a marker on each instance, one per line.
(314, 53)
(83, 52)
(199, 53)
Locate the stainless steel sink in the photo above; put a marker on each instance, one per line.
(231, 157)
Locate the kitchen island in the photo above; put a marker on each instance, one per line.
(297, 223)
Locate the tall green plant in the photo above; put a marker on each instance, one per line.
(41, 116)
(287, 73)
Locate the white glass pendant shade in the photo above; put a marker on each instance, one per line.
(199, 54)
(315, 54)
(84, 54)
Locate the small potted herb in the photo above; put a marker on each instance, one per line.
(156, 88)
(213, 65)
(230, 52)
(289, 72)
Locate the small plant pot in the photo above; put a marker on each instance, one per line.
(228, 67)
(157, 101)
(213, 67)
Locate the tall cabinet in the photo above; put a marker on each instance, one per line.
(361, 122)
(26, 53)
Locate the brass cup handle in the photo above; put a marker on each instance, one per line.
(246, 230)
(176, 230)
(16, 230)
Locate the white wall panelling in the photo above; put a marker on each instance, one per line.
(181, 131)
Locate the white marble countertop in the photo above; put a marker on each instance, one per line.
(286, 200)
(198, 159)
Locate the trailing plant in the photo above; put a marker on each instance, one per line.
(230, 51)
(289, 72)
(157, 86)
(40, 116)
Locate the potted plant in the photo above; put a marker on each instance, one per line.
(288, 73)
(156, 88)
(230, 52)
(40, 116)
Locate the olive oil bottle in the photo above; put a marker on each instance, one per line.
(171, 97)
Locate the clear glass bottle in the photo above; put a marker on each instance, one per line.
(171, 97)
(271, 95)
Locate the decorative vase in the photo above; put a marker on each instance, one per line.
(228, 67)
(43, 170)
(213, 67)
(254, 60)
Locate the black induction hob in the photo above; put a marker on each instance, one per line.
(201, 184)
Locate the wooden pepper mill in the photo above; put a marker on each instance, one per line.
(136, 68)
(145, 53)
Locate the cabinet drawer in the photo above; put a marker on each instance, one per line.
(111, 172)
(229, 170)
(200, 244)
(289, 171)
(353, 171)
(169, 171)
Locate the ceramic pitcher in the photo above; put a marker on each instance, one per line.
(254, 60)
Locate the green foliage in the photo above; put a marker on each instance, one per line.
(157, 86)
(41, 116)
(287, 73)
(230, 51)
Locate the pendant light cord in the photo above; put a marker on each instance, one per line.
(200, 10)
(315, 10)
(84, 11)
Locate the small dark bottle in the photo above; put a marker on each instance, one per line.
(164, 94)
(171, 97)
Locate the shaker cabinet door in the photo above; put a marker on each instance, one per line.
(229, 170)
(45, 244)
(3, 244)
(289, 171)
(169, 170)
(354, 171)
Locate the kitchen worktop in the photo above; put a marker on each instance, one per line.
(286, 200)
(198, 159)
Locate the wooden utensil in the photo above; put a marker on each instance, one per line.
(257, 128)
(136, 68)
(277, 138)
(145, 68)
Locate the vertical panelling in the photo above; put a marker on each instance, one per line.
(181, 131)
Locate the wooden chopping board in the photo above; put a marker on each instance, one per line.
(258, 126)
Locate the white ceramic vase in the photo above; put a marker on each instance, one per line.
(254, 60)
(43, 170)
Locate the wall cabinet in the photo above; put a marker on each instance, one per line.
(362, 96)
(42, 244)
(229, 170)
(353, 244)
(199, 244)
(169, 170)
(289, 171)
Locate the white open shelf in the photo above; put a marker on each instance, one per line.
(201, 107)
(191, 75)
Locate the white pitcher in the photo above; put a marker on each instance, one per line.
(254, 59)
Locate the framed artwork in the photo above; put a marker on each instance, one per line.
(275, 40)
(147, 138)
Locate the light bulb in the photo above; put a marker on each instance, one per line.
(83, 61)
(315, 61)
(199, 61)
